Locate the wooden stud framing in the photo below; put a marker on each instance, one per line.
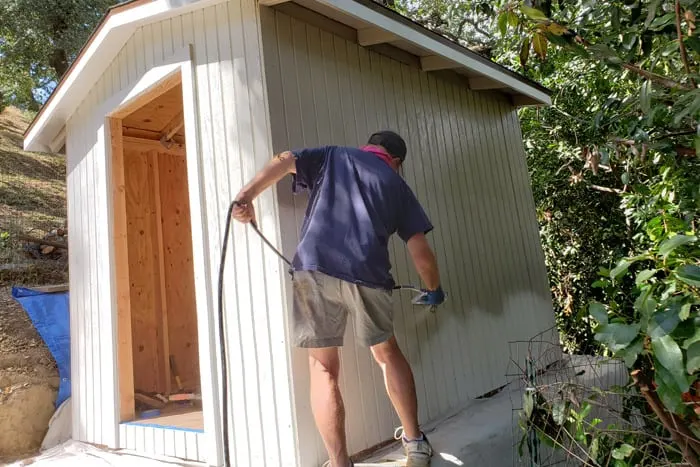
(125, 363)
(149, 134)
(162, 299)
(175, 125)
(150, 144)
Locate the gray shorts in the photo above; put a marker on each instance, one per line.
(321, 307)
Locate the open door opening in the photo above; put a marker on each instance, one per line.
(159, 377)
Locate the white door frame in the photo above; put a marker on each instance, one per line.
(181, 63)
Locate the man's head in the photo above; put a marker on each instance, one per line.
(393, 143)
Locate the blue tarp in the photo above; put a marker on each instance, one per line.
(49, 314)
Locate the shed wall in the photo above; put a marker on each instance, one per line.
(157, 441)
(233, 144)
(467, 167)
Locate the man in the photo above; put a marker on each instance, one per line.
(358, 200)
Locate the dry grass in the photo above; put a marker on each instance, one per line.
(32, 197)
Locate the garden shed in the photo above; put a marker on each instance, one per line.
(169, 108)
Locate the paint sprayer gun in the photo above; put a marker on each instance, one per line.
(429, 298)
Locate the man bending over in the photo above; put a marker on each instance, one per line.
(358, 200)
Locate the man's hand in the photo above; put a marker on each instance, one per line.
(243, 211)
(281, 165)
(431, 297)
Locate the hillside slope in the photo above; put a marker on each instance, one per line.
(32, 202)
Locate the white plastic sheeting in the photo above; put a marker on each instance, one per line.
(74, 453)
(59, 426)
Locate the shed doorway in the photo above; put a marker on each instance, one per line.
(158, 356)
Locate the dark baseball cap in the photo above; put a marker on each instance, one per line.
(392, 142)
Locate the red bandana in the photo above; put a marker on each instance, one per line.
(379, 152)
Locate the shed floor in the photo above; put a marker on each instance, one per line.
(185, 418)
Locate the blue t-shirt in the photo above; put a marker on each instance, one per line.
(357, 202)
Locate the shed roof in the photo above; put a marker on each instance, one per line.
(373, 25)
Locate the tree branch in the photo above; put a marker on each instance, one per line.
(662, 80)
(669, 423)
(680, 433)
(39, 241)
(684, 53)
(673, 135)
(606, 189)
(685, 152)
(476, 27)
(453, 37)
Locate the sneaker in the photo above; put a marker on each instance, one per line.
(418, 452)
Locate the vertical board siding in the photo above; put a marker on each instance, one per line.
(234, 142)
(157, 441)
(92, 364)
(466, 165)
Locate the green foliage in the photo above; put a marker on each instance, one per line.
(38, 41)
(4, 239)
(646, 130)
(563, 423)
(615, 169)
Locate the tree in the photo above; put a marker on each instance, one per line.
(635, 69)
(38, 41)
(463, 21)
(615, 166)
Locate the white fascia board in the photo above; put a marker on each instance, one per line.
(92, 63)
(406, 33)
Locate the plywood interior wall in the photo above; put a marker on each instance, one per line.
(161, 275)
(178, 267)
(150, 369)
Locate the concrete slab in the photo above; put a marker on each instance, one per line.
(480, 435)
(486, 433)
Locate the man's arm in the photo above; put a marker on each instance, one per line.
(424, 261)
(281, 165)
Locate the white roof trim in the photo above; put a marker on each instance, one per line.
(433, 45)
(99, 54)
(105, 45)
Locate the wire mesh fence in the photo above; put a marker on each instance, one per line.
(579, 410)
(33, 230)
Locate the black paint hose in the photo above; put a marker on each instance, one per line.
(222, 323)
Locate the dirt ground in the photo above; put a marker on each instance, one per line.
(28, 382)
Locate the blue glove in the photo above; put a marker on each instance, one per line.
(430, 297)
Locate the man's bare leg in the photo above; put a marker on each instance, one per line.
(400, 385)
(327, 403)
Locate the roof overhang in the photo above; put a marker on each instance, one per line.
(47, 131)
(373, 25)
(376, 24)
